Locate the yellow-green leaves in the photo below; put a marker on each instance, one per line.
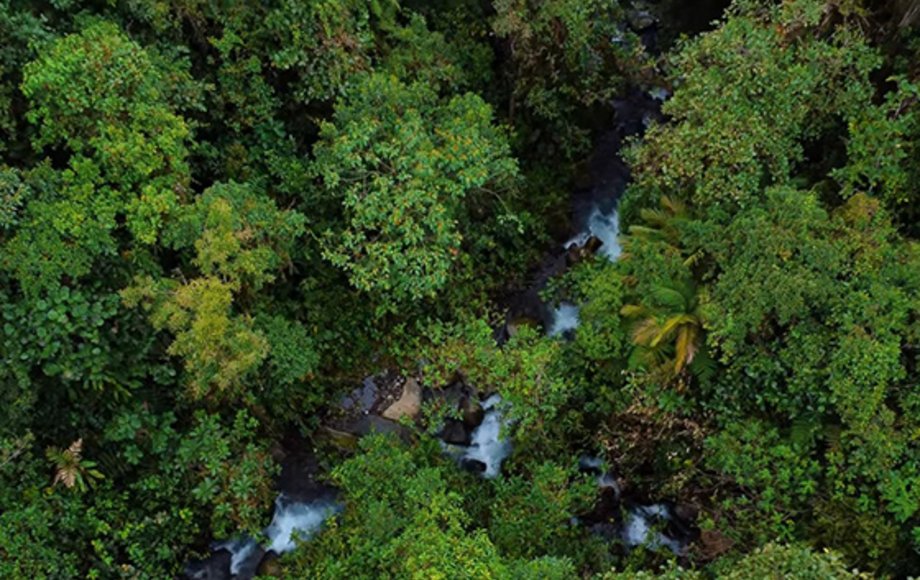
(239, 234)
(240, 239)
(219, 348)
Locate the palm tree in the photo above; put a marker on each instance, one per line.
(667, 333)
(664, 225)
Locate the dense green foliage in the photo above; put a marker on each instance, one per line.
(216, 218)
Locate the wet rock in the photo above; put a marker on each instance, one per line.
(606, 508)
(368, 394)
(215, 567)
(639, 17)
(473, 465)
(593, 244)
(374, 424)
(580, 252)
(250, 564)
(455, 433)
(448, 398)
(457, 397)
(300, 479)
(472, 412)
(514, 325)
(341, 439)
(605, 530)
(686, 512)
(270, 566)
(363, 398)
(458, 388)
(409, 403)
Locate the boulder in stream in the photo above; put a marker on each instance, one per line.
(374, 424)
(363, 398)
(473, 465)
(345, 434)
(214, 567)
(269, 566)
(472, 411)
(581, 251)
(409, 403)
(455, 432)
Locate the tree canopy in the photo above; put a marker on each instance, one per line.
(255, 254)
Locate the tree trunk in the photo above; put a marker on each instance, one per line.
(909, 11)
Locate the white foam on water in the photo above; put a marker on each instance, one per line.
(290, 521)
(565, 318)
(240, 549)
(605, 480)
(296, 520)
(588, 462)
(638, 528)
(608, 481)
(607, 228)
(487, 444)
(603, 226)
(578, 240)
(660, 94)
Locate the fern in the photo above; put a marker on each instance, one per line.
(71, 469)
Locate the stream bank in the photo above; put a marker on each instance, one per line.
(475, 440)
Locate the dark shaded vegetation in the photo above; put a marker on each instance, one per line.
(217, 218)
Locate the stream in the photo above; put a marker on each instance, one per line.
(597, 228)
(301, 515)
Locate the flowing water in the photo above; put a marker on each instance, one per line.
(292, 520)
(641, 527)
(604, 226)
(564, 319)
(489, 445)
(297, 520)
(595, 216)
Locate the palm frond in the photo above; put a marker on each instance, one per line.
(686, 347)
(645, 232)
(633, 310)
(670, 327)
(654, 217)
(703, 365)
(645, 331)
(670, 297)
(693, 259)
(673, 205)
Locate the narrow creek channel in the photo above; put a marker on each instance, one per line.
(303, 505)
